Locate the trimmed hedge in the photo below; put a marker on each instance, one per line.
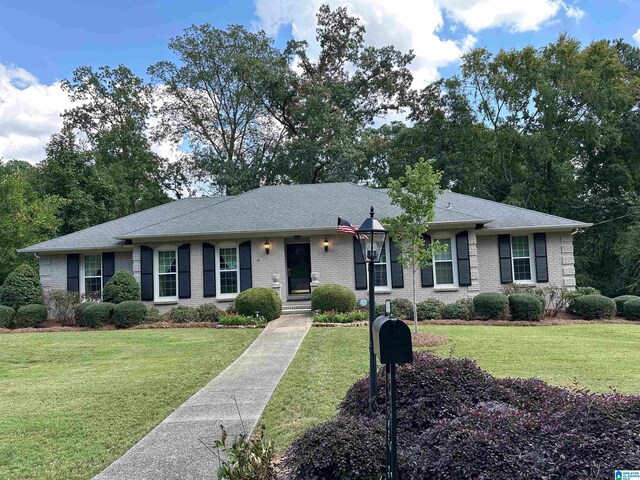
(335, 317)
(97, 314)
(22, 287)
(184, 315)
(78, 311)
(241, 320)
(526, 306)
(31, 316)
(129, 313)
(457, 310)
(430, 309)
(491, 306)
(259, 299)
(622, 299)
(122, 287)
(209, 312)
(332, 297)
(592, 307)
(7, 315)
(631, 309)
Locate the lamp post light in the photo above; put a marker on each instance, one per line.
(372, 236)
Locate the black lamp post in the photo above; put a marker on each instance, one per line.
(372, 236)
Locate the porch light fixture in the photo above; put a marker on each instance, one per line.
(372, 236)
(267, 247)
(326, 245)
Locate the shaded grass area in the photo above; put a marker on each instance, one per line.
(596, 356)
(72, 403)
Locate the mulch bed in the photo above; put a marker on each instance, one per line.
(53, 326)
(427, 339)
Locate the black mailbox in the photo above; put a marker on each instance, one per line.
(392, 340)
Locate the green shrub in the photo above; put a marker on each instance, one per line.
(121, 287)
(621, 300)
(241, 320)
(129, 313)
(631, 309)
(458, 310)
(402, 308)
(31, 316)
(21, 287)
(97, 314)
(153, 315)
(430, 309)
(7, 315)
(209, 312)
(491, 305)
(333, 297)
(336, 317)
(259, 299)
(592, 307)
(579, 292)
(61, 306)
(526, 306)
(78, 311)
(184, 315)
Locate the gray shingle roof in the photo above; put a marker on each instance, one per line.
(290, 208)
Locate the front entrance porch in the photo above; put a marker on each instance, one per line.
(298, 257)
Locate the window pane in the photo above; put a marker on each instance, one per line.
(229, 282)
(228, 259)
(521, 269)
(167, 285)
(383, 255)
(380, 275)
(520, 246)
(446, 255)
(167, 262)
(92, 285)
(93, 265)
(444, 273)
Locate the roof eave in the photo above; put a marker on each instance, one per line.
(531, 228)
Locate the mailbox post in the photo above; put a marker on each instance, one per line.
(392, 345)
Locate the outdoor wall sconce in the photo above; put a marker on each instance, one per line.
(326, 245)
(267, 247)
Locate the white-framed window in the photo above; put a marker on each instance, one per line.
(382, 270)
(91, 283)
(166, 273)
(228, 271)
(444, 264)
(521, 258)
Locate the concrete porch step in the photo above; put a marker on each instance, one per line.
(293, 308)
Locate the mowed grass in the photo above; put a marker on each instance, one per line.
(598, 357)
(71, 403)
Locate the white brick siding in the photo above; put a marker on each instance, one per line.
(336, 266)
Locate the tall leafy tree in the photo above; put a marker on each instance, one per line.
(208, 101)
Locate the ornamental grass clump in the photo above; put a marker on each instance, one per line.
(457, 421)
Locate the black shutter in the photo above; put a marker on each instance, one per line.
(208, 270)
(245, 265)
(359, 265)
(540, 248)
(73, 272)
(462, 255)
(184, 271)
(108, 267)
(397, 275)
(146, 273)
(504, 249)
(426, 273)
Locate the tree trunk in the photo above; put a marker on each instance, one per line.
(415, 309)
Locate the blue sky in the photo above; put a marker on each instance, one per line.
(41, 42)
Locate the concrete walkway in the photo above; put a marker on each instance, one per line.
(174, 449)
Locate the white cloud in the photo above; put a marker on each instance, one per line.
(417, 25)
(29, 113)
(636, 36)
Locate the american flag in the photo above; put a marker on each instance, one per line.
(345, 227)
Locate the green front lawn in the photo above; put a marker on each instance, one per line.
(72, 403)
(596, 356)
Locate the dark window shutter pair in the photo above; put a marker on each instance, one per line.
(540, 254)
(397, 275)
(184, 271)
(108, 267)
(244, 252)
(426, 273)
(73, 272)
(359, 265)
(208, 270)
(462, 257)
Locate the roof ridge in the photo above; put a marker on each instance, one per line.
(513, 206)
